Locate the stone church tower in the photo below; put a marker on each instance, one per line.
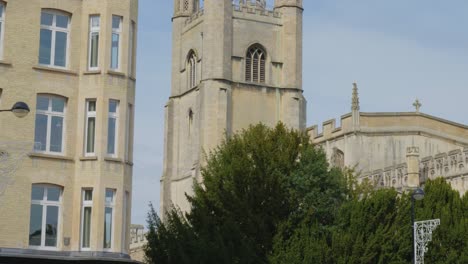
(234, 63)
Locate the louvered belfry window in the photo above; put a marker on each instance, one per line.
(192, 70)
(255, 65)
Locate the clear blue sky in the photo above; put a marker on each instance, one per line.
(396, 50)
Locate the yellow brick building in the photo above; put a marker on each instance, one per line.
(73, 63)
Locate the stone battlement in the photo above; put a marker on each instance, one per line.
(448, 165)
(453, 166)
(399, 122)
(329, 129)
(255, 9)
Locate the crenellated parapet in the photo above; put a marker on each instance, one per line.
(398, 123)
(452, 166)
(448, 165)
(329, 129)
(255, 8)
(393, 176)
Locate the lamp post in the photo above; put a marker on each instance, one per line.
(417, 194)
(19, 109)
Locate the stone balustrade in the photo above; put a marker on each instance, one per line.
(453, 166)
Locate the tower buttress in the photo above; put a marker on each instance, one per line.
(291, 11)
(217, 39)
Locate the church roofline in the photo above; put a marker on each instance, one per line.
(390, 114)
(397, 123)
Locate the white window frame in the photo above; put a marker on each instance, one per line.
(117, 31)
(126, 198)
(90, 114)
(131, 49)
(93, 30)
(112, 206)
(49, 113)
(54, 30)
(44, 204)
(129, 132)
(84, 204)
(116, 136)
(2, 28)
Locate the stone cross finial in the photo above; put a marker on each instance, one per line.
(417, 105)
(355, 102)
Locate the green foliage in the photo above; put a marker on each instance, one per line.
(253, 183)
(269, 196)
(176, 236)
(450, 240)
(376, 228)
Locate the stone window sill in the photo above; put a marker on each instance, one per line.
(50, 69)
(5, 63)
(115, 73)
(90, 158)
(111, 159)
(49, 156)
(92, 72)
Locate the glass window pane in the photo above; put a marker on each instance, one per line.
(46, 19)
(109, 195)
(37, 193)
(58, 104)
(62, 21)
(86, 226)
(108, 228)
(88, 195)
(113, 106)
(90, 135)
(1, 10)
(91, 106)
(115, 51)
(116, 22)
(45, 46)
(111, 136)
(56, 133)
(42, 103)
(35, 225)
(94, 50)
(53, 194)
(60, 49)
(40, 133)
(51, 226)
(95, 20)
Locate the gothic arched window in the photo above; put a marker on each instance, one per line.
(192, 70)
(255, 64)
(337, 158)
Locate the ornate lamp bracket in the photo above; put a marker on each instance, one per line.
(422, 236)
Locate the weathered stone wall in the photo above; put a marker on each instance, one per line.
(22, 79)
(378, 146)
(198, 118)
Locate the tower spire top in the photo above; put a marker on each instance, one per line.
(355, 101)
